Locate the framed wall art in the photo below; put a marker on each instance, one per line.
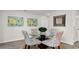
(59, 20)
(15, 21)
(32, 22)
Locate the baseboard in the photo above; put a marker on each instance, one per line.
(11, 40)
(70, 43)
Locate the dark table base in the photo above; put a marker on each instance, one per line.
(42, 46)
(42, 38)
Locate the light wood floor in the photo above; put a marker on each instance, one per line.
(20, 45)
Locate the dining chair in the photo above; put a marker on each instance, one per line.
(34, 31)
(30, 41)
(55, 41)
(58, 39)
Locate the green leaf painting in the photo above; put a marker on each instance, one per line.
(15, 21)
(32, 22)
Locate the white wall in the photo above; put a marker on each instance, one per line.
(77, 27)
(1, 27)
(14, 33)
(68, 36)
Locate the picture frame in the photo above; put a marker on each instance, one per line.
(59, 20)
(15, 21)
(32, 22)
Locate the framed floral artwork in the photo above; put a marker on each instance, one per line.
(59, 20)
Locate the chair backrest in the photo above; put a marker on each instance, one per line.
(34, 31)
(26, 36)
(59, 35)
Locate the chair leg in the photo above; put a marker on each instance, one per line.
(29, 47)
(25, 46)
(58, 47)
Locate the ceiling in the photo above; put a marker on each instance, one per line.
(40, 12)
(43, 12)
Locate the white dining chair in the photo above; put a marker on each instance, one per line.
(30, 41)
(34, 31)
(55, 41)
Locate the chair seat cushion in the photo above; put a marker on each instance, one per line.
(52, 42)
(33, 42)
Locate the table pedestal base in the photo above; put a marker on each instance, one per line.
(42, 46)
